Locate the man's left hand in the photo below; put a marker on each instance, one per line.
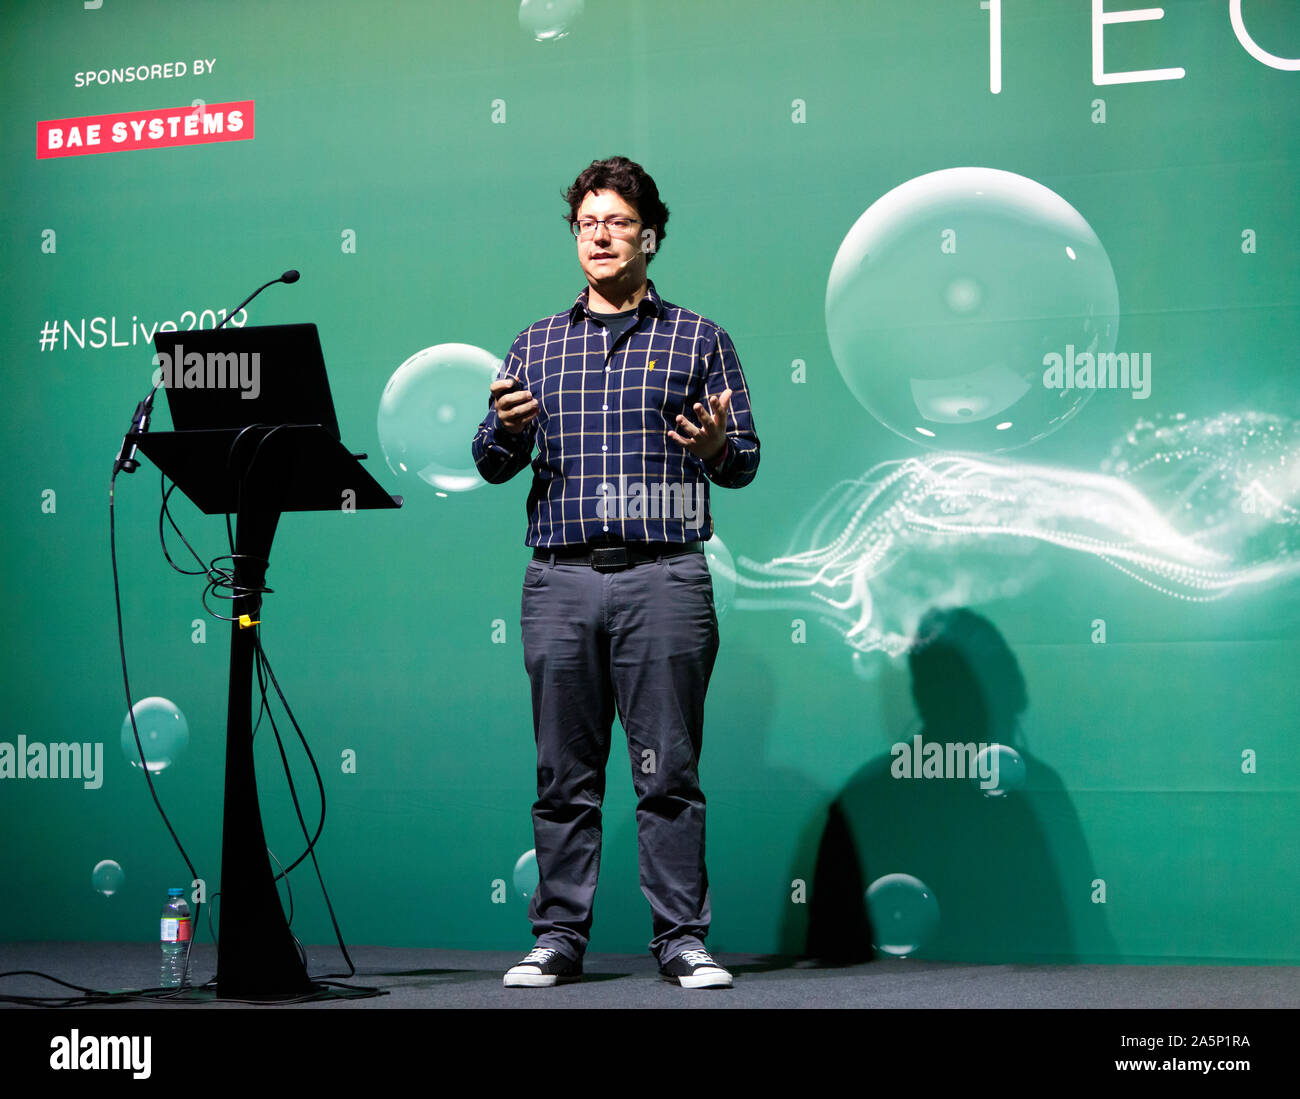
(706, 440)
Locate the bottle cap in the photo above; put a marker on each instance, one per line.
(176, 892)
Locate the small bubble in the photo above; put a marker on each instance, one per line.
(107, 877)
(549, 20)
(526, 875)
(904, 914)
(999, 770)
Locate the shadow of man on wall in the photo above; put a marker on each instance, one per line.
(996, 867)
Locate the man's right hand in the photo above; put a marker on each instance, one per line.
(515, 407)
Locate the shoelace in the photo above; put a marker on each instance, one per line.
(697, 957)
(539, 956)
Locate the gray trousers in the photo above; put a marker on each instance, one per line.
(642, 640)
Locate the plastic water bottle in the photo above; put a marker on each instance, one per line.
(176, 930)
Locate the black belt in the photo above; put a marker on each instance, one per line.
(615, 558)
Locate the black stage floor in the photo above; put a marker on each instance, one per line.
(443, 1012)
(414, 978)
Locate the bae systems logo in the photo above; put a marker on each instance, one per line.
(160, 128)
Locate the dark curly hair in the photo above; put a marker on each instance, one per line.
(632, 184)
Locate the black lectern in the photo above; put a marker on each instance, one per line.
(256, 473)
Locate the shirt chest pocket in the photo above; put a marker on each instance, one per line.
(672, 388)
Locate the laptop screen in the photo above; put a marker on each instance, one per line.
(271, 374)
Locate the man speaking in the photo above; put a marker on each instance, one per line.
(633, 406)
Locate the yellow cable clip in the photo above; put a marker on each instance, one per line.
(245, 622)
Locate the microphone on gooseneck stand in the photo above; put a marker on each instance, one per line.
(288, 276)
(126, 460)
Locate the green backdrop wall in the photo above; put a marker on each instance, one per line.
(1052, 180)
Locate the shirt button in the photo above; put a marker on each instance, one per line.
(606, 370)
(605, 527)
(603, 446)
(604, 408)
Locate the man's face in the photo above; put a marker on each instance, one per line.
(608, 258)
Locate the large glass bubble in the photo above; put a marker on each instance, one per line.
(164, 734)
(429, 411)
(949, 294)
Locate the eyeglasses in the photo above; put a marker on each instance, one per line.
(584, 228)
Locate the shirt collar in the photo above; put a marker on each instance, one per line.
(652, 304)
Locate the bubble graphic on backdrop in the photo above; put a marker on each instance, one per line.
(549, 20)
(948, 293)
(999, 770)
(1195, 509)
(107, 877)
(164, 734)
(722, 568)
(904, 914)
(429, 411)
(526, 874)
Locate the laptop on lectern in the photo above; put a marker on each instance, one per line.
(234, 377)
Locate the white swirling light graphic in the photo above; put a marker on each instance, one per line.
(1194, 509)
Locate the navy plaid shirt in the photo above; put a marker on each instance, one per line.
(605, 467)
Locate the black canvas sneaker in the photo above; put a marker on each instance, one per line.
(541, 968)
(695, 969)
